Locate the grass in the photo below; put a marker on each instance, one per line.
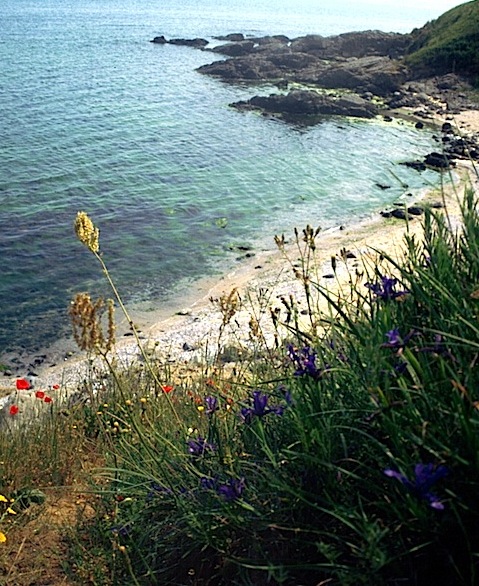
(343, 450)
(448, 44)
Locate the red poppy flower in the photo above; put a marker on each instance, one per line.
(48, 399)
(40, 395)
(55, 387)
(167, 388)
(13, 409)
(23, 384)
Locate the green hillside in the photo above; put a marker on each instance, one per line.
(448, 44)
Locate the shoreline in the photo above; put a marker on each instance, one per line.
(178, 333)
(178, 337)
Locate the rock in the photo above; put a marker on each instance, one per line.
(197, 42)
(415, 210)
(309, 59)
(188, 347)
(378, 75)
(354, 44)
(300, 104)
(399, 213)
(235, 49)
(231, 37)
(438, 161)
(271, 39)
(418, 165)
(159, 40)
(419, 125)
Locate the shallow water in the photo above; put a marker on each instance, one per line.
(94, 117)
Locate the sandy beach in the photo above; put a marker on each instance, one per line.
(187, 335)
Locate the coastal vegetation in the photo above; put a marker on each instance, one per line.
(449, 44)
(344, 450)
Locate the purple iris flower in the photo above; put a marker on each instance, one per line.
(425, 476)
(211, 405)
(260, 407)
(305, 362)
(232, 489)
(395, 340)
(199, 446)
(384, 288)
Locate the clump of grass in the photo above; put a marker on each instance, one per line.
(344, 452)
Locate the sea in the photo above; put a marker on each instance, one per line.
(95, 117)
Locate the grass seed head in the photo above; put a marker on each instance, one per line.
(87, 233)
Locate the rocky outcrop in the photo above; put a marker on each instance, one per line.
(367, 64)
(356, 61)
(355, 44)
(304, 106)
(197, 43)
(379, 75)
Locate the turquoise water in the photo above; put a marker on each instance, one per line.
(94, 117)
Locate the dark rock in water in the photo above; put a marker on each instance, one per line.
(199, 43)
(159, 40)
(299, 105)
(438, 161)
(387, 118)
(446, 127)
(385, 214)
(419, 125)
(418, 165)
(382, 186)
(231, 37)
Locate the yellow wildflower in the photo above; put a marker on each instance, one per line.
(86, 231)
(11, 511)
(3, 537)
(3, 499)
